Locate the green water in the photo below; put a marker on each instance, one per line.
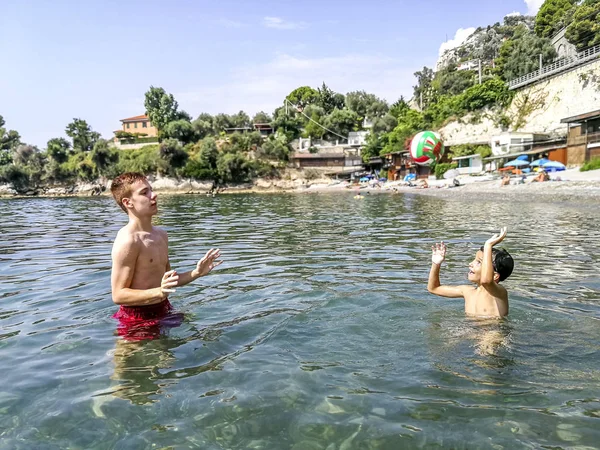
(317, 332)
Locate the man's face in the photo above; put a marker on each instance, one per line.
(143, 199)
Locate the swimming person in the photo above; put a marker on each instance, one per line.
(490, 267)
(142, 277)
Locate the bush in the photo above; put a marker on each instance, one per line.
(17, 176)
(592, 164)
(145, 160)
(441, 169)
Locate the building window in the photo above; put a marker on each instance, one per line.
(144, 124)
(127, 126)
(135, 125)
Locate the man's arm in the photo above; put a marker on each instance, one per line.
(204, 267)
(124, 256)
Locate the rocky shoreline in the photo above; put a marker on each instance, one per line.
(569, 186)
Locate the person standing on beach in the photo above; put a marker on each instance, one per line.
(490, 267)
(141, 276)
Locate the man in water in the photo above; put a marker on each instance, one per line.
(490, 267)
(142, 277)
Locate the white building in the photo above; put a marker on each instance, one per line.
(469, 165)
(357, 137)
(514, 142)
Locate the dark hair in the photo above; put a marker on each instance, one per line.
(502, 263)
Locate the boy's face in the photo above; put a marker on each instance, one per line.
(474, 275)
(142, 201)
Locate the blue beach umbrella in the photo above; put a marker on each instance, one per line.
(516, 163)
(523, 157)
(554, 166)
(539, 162)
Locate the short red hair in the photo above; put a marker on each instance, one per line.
(121, 186)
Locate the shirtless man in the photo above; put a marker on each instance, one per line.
(490, 266)
(141, 276)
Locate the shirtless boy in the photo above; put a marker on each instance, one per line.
(490, 266)
(141, 276)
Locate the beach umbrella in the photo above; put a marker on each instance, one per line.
(523, 157)
(516, 163)
(553, 166)
(539, 162)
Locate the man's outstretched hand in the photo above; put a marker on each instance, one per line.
(209, 262)
(438, 253)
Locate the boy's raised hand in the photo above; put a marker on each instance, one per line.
(497, 238)
(438, 253)
(209, 262)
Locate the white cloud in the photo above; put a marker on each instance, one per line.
(459, 38)
(533, 6)
(281, 24)
(513, 14)
(264, 86)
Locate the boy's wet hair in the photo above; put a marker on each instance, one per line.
(121, 186)
(502, 262)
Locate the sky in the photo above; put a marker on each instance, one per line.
(95, 59)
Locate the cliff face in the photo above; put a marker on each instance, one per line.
(537, 108)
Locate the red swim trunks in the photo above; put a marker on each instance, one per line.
(138, 323)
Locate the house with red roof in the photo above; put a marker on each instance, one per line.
(139, 125)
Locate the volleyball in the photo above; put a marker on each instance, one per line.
(426, 147)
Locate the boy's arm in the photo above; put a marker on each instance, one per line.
(433, 285)
(203, 267)
(124, 257)
(487, 266)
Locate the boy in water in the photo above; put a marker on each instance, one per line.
(490, 266)
(141, 276)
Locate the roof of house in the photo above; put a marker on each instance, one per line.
(582, 117)
(139, 118)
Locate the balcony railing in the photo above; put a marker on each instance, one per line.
(590, 138)
(560, 65)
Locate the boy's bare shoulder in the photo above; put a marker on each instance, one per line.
(126, 240)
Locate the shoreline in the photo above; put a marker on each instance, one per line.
(570, 185)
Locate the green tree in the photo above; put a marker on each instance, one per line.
(241, 120)
(82, 135)
(209, 153)
(182, 130)
(303, 96)
(521, 55)
(451, 81)
(312, 129)
(103, 157)
(384, 124)
(274, 149)
(584, 30)
(221, 122)
(367, 106)
(9, 139)
(409, 123)
(552, 17)
(288, 124)
(423, 91)
(330, 100)
(171, 151)
(203, 126)
(261, 117)
(161, 107)
(233, 167)
(399, 107)
(341, 121)
(58, 149)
